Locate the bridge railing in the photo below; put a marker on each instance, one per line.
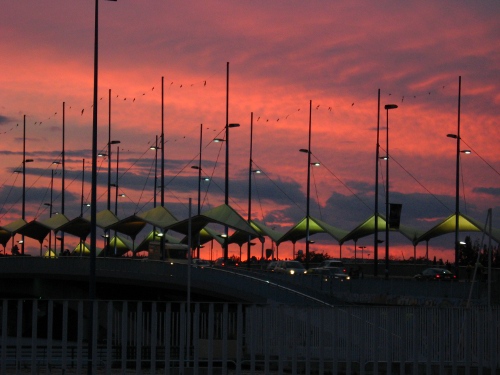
(153, 336)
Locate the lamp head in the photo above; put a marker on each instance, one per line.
(390, 106)
(304, 150)
(233, 126)
(454, 136)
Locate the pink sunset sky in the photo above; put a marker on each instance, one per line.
(282, 54)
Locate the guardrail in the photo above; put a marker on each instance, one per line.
(155, 336)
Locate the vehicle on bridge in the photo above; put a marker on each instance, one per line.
(436, 274)
(333, 263)
(332, 273)
(200, 263)
(290, 267)
(229, 262)
(175, 253)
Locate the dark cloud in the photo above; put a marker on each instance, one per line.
(4, 120)
(495, 192)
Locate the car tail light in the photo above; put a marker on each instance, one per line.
(438, 276)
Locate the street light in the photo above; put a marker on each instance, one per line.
(376, 215)
(155, 148)
(93, 208)
(250, 170)
(308, 151)
(387, 108)
(226, 189)
(24, 178)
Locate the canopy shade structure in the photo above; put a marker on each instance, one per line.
(15, 226)
(82, 249)
(34, 229)
(366, 228)
(4, 236)
(154, 236)
(159, 217)
(50, 254)
(80, 227)
(206, 235)
(315, 226)
(222, 214)
(105, 218)
(264, 230)
(121, 245)
(131, 226)
(9, 230)
(411, 233)
(55, 222)
(465, 224)
(241, 238)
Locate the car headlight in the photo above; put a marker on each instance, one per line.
(292, 272)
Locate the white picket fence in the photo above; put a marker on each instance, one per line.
(54, 336)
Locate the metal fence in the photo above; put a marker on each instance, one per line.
(162, 337)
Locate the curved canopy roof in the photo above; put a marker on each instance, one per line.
(366, 228)
(131, 226)
(315, 226)
(5, 236)
(223, 214)
(80, 226)
(264, 230)
(448, 225)
(38, 230)
(159, 217)
(154, 236)
(117, 247)
(15, 226)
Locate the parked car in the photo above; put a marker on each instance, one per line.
(219, 262)
(436, 274)
(332, 273)
(290, 267)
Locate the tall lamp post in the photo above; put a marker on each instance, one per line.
(377, 156)
(457, 181)
(93, 206)
(199, 190)
(250, 167)
(387, 108)
(23, 208)
(226, 186)
(226, 189)
(308, 151)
